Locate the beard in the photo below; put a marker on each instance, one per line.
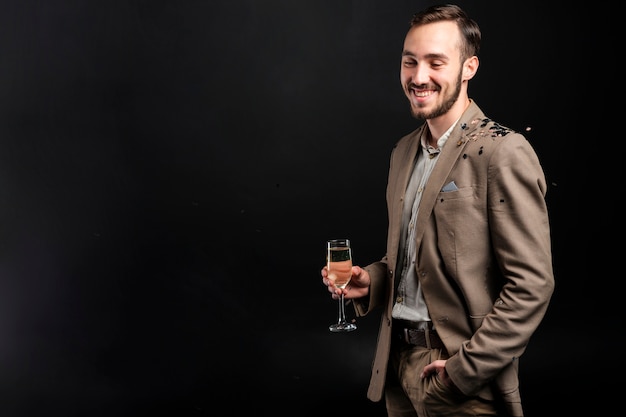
(444, 107)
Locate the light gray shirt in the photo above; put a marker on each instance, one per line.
(410, 303)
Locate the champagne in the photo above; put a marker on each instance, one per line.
(339, 269)
(339, 265)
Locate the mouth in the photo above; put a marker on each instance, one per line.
(421, 93)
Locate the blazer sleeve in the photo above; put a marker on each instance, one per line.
(520, 235)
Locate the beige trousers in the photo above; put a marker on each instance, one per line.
(406, 395)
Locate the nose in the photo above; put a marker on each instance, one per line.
(420, 74)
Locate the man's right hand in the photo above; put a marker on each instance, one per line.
(358, 286)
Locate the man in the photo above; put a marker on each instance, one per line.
(468, 274)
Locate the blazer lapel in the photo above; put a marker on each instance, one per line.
(448, 157)
(405, 160)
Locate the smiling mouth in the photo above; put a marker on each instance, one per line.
(423, 93)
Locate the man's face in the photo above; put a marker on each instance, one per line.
(431, 70)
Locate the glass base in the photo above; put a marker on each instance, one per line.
(342, 327)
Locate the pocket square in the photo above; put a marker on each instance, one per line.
(451, 186)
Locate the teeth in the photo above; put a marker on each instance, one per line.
(422, 93)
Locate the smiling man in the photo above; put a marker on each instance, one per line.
(467, 276)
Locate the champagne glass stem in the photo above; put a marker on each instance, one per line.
(342, 324)
(342, 311)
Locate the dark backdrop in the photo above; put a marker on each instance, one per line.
(170, 170)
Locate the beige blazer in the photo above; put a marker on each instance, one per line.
(483, 254)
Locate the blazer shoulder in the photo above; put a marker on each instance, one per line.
(484, 128)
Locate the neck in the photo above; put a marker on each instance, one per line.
(439, 125)
(429, 138)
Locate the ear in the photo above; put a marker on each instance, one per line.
(470, 66)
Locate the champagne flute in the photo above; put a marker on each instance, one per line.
(339, 265)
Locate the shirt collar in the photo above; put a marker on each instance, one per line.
(442, 140)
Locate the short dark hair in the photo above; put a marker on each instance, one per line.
(470, 30)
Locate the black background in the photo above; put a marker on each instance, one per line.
(170, 170)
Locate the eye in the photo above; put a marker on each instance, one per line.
(409, 62)
(437, 64)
